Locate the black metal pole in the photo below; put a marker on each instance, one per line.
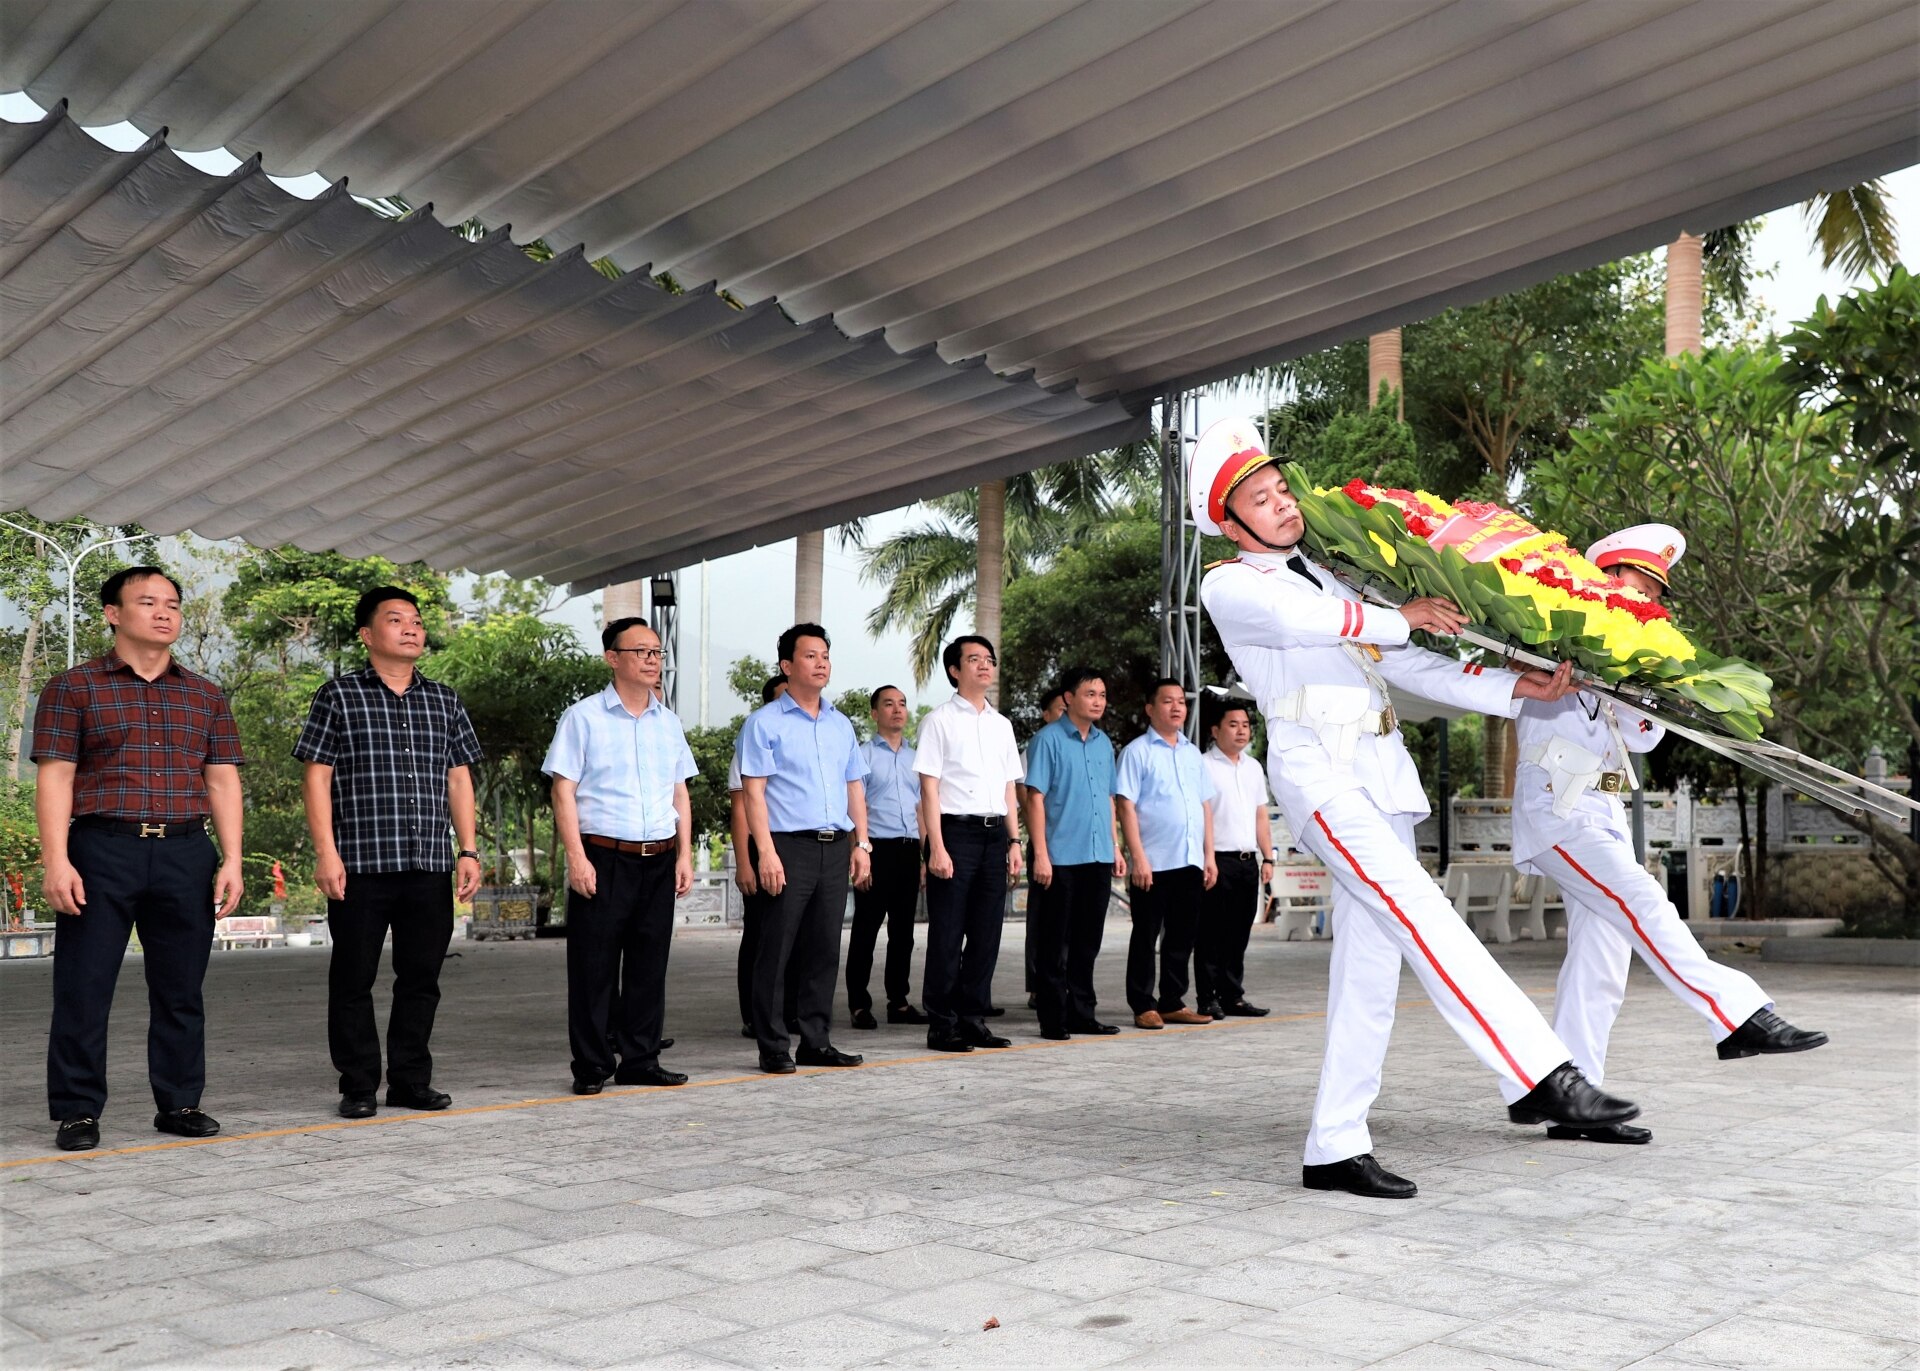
(1445, 789)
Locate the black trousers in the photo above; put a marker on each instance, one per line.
(965, 914)
(798, 952)
(163, 887)
(889, 900)
(1066, 922)
(618, 939)
(753, 917)
(1167, 915)
(1029, 948)
(418, 907)
(1226, 921)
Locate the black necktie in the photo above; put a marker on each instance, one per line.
(1297, 563)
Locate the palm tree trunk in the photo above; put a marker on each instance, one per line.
(1497, 759)
(17, 714)
(990, 572)
(1683, 295)
(623, 600)
(809, 567)
(1383, 364)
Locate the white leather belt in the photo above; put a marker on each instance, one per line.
(1338, 714)
(1572, 771)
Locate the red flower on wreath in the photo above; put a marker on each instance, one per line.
(1356, 491)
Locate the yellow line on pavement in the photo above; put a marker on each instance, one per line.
(755, 1078)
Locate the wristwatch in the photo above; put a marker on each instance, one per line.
(469, 852)
(863, 845)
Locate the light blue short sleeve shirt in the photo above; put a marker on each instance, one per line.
(893, 789)
(624, 766)
(1169, 787)
(808, 761)
(1076, 777)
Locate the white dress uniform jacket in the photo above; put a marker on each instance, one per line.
(1284, 633)
(1580, 719)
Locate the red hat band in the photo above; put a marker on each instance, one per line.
(1232, 472)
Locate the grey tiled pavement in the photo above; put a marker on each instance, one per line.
(1112, 1202)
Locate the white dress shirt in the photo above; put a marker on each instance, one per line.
(1240, 786)
(971, 753)
(1579, 718)
(626, 766)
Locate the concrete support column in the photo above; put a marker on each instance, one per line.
(809, 566)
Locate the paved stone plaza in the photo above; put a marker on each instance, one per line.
(1120, 1201)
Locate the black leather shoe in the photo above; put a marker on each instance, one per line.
(417, 1097)
(581, 1087)
(781, 1065)
(1767, 1032)
(992, 1011)
(746, 1030)
(1568, 1098)
(1213, 1011)
(77, 1135)
(863, 1018)
(1604, 1133)
(358, 1106)
(1055, 1035)
(904, 1013)
(1360, 1175)
(186, 1122)
(827, 1056)
(1094, 1028)
(649, 1075)
(665, 1043)
(1242, 1010)
(986, 1039)
(948, 1042)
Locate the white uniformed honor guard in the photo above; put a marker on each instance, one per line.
(1318, 661)
(1576, 761)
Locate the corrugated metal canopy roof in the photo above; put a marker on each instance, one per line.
(1121, 195)
(211, 353)
(1125, 194)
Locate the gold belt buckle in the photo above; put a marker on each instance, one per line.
(1611, 783)
(153, 830)
(1388, 721)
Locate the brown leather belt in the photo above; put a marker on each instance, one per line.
(650, 849)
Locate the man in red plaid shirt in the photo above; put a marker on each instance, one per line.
(135, 752)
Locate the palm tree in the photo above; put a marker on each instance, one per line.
(1853, 228)
(933, 570)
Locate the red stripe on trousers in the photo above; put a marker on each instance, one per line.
(1426, 952)
(1346, 617)
(1622, 904)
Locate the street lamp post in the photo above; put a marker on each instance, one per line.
(73, 566)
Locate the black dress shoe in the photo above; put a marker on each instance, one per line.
(1603, 1133)
(826, 1056)
(417, 1097)
(948, 1042)
(992, 1011)
(358, 1106)
(1240, 1009)
(1568, 1098)
(781, 1065)
(186, 1122)
(1360, 1175)
(904, 1013)
(982, 1038)
(78, 1135)
(1213, 1011)
(746, 1030)
(1767, 1032)
(863, 1018)
(649, 1075)
(665, 1043)
(1055, 1035)
(1094, 1028)
(581, 1087)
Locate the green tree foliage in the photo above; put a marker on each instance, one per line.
(1097, 605)
(302, 602)
(1766, 482)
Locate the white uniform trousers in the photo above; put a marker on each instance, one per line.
(1615, 908)
(1386, 909)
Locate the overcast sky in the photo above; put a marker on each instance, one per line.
(751, 593)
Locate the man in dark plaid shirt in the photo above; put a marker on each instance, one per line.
(389, 759)
(134, 753)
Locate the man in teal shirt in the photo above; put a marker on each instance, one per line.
(1070, 788)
